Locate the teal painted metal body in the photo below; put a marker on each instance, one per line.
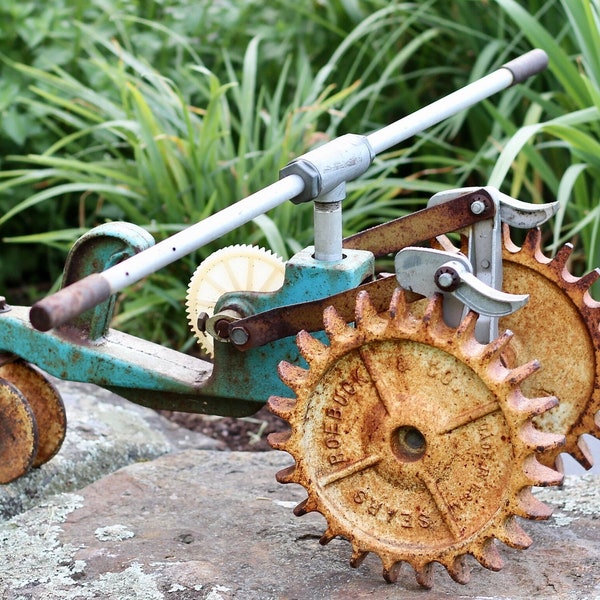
(86, 350)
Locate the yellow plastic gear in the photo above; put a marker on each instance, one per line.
(559, 326)
(232, 269)
(414, 440)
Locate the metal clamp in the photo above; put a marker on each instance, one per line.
(485, 240)
(427, 271)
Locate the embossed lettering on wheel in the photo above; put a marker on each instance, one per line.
(413, 439)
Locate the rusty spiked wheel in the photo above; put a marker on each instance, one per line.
(413, 439)
(560, 327)
(32, 420)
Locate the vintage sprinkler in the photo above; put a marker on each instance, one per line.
(418, 423)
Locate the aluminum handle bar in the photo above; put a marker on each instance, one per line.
(66, 304)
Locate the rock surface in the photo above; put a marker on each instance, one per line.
(209, 525)
(104, 433)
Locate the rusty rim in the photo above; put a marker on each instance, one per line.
(559, 327)
(45, 402)
(18, 433)
(413, 440)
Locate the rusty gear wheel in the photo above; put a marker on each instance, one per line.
(413, 439)
(560, 327)
(236, 268)
(18, 433)
(44, 401)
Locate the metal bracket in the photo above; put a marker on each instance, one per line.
(485, 244)
(427, 271)
(97, 250)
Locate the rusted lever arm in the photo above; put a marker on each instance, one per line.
(425, 224)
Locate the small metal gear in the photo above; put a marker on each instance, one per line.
(559, 327)
(413, 440)
(232, 269)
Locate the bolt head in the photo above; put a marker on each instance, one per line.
(239, 335)
(477, 207)
(445, 280)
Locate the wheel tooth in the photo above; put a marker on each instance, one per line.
(333, 323)
(281, 407)
(358, 557)
(532, 407)
(496, 347)
(489, 556)
(529, 507)
(459, 570)
(327, 537)
(466, 329)
(286, 475)
(365, 311)
(558, 464)
(278, 439)
(540, 475)
(306, 506)
(582, 454)
(585, 282)
(391, 570)
(533, 240)
(559, 262)
(433, 311)
(398, 305)
(292, 375)
(514, 536)
(507, 240)
(425, 576)
(540, 441)
(310, 347)
(519, 374)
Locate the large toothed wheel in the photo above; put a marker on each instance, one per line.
(560, 327)
(413, 439)
(233, 269)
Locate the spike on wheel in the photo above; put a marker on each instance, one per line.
(413, 440)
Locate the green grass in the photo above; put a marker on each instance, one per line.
(156, 114)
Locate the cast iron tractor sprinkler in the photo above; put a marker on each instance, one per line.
(419, 420)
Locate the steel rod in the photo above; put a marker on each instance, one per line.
(66, 304)
(84, 294)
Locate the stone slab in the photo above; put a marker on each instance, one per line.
(215, 526)
(104, 433)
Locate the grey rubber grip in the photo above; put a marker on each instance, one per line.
(528, 64)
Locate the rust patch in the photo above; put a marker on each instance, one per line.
(422, 225)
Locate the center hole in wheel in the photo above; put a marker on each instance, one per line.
(409, 443)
